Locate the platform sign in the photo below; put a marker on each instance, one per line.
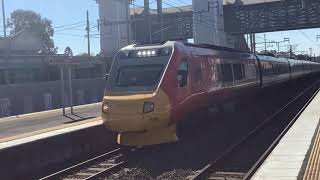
(70, 61)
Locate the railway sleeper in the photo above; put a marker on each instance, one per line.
(226, 176)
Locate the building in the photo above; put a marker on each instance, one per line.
(24, 42)
(31, 83)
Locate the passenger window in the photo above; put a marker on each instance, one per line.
(226, 73)
(238, 70)
(182, 74)
(268, 69)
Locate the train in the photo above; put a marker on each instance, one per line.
(152, 88)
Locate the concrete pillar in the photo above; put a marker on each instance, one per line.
(114, 20)
(147, 21)
(208, 22)
(5, 107)
(160, 20)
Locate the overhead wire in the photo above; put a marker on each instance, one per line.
(309, 38)
(183, 2)
(58, 27)
(66, 34)
(71, 28)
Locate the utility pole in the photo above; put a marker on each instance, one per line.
(4, 20)
(310, 49)
(129, 23)
(147, 20)
(159, 12)
(291, 53)
(251, 43)
(254, 43)
(278, 46)
(265, 42)
(88, 33)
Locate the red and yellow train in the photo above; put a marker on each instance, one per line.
(152, 88)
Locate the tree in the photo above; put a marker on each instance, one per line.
(83, 54)
(68, 51)
(303, 56)
(25, 19)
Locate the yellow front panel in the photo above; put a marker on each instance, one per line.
(126, 112)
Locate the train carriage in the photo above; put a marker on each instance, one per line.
(153, 88)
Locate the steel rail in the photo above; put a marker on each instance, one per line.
(106, 171)
(81, 165)
(204, 171)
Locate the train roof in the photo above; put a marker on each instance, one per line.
(273, 59)
(214, 47)
(172, 44)
(151, 45)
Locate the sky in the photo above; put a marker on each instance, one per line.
(66, 12)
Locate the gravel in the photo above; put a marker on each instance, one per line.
(144, 174)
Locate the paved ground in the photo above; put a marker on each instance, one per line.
(17, 126)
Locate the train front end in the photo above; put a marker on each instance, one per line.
(134, 105)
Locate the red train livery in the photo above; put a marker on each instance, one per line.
(151, 89)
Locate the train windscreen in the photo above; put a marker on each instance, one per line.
(133, 76)
(136, 74)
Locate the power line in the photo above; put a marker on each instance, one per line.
(173, 6)
(66, 34)
(71, 28)
(309, 38)
(67, 25)
(183, 2)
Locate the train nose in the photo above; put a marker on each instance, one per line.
(124, 115)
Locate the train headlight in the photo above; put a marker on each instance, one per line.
(148, 107)
(146, 53)
(105, 108)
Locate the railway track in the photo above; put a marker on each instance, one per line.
(227, 167)
(96, 167)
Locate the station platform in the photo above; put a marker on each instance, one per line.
(30, 143)
(297, 155)
(17, 127)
